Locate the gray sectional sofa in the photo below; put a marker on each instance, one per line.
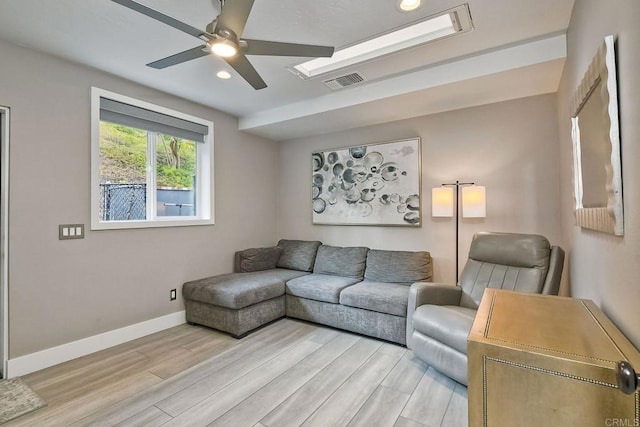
(353, 288)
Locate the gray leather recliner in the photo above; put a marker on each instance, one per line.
(439, 316)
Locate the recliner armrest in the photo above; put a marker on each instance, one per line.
(422, 293)
(556, 262)
(435, 293)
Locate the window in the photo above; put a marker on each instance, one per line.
(151, 166)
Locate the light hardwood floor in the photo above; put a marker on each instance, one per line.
(288, 373)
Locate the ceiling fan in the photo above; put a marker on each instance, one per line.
(222, 38)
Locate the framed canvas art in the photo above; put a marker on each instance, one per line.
(373, 184)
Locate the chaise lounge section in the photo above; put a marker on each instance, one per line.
(253, 295)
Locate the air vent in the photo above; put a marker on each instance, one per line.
(344, 81)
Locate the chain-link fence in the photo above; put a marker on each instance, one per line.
(123, 202)
(127, 202)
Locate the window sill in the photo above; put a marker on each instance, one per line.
(118, 225)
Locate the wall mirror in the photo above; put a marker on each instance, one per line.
(596, 146)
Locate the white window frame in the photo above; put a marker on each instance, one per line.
(204, 185)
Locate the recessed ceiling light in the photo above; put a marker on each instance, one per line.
(223, 75)
(453, 21)
(408, 5)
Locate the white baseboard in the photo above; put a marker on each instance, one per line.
(52, 356)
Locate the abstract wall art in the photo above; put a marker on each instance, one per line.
(373, 184)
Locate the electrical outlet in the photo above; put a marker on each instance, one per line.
(173, 295)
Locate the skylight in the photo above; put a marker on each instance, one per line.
(457, 20)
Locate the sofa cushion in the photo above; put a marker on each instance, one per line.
(319, 287)
(390, 298)
(448, 324)
(258, 259)
(238, 290)
(298, 254)
(398, 266)
(349, 262)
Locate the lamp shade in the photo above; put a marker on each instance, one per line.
(474, 202)
(442, 202)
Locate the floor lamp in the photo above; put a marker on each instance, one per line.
(473, 204)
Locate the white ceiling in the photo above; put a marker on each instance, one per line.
(517, 49)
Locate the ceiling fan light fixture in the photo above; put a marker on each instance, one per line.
(408, 5)
(225, 43)
(224, 48)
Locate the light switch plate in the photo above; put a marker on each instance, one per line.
(70, 231)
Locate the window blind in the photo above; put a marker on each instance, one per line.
(141, 118)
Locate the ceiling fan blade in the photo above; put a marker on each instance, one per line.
(262, 47)
(172, 22)
(234, 15)
(181, 57)
(241, 64)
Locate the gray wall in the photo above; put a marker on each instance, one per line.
(509, 147)
(605, 268)
(61, 291)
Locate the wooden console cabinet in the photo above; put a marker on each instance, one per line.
(538, 360)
